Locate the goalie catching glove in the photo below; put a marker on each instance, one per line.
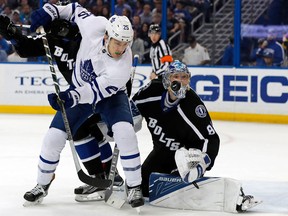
(70, 98)
(191, 163)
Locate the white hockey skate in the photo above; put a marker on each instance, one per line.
(36, 195)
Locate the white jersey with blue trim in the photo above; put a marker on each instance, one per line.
(96, 74)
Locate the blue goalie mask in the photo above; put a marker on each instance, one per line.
(177, 79)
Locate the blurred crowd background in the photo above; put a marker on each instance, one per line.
(208, 23)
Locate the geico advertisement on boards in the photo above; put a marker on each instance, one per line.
(221, 89)
(242, 90)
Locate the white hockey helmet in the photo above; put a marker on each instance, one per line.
(120, 28)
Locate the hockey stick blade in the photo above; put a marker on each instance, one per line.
(110, 198)
(115, 201)
(96, 182)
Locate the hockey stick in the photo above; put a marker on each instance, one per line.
(23, 26)
(110, 199)
(101, 183)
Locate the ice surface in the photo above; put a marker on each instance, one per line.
(254, 153)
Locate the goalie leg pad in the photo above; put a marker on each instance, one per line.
(214, 194)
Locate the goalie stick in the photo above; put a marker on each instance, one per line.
(96, 182)
(110, 198)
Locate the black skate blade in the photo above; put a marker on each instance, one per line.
(96, 182)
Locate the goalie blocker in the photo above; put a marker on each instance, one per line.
(214, 194)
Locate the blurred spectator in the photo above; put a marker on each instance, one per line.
(138, 8)
(156, 18)
(144, 35)
(7, 12)
(204, 7)
(25, 14)
(277, 47)
(157, 7)
(126, 12)
(173, 26)
(184, 17)
(147, 42)
(172, 4)
(181, 13)
(97, 7)
(138, 46)
(2, 5)
(95, 10)
(84, 3)
(13, 4)
(146, 15)
(106, 11)
(267, 55)
(228, 56)
(255, 58)
(195, 54)
(16, 17)
(32, 3)
(121, 4)
(285, 46)
(136, 23)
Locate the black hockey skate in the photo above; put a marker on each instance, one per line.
(36, 195)
(118, 181)
(86, 193)
(248, 202)
(135, 196)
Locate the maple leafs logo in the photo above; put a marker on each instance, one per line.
(86, 71)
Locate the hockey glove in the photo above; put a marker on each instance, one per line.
(70, 98)
(43, 16)
(191, 163)
(7, 28)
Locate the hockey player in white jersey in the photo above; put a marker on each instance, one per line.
(101, 71)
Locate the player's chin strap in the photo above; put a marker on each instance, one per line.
(96, 182)
(110, 198)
